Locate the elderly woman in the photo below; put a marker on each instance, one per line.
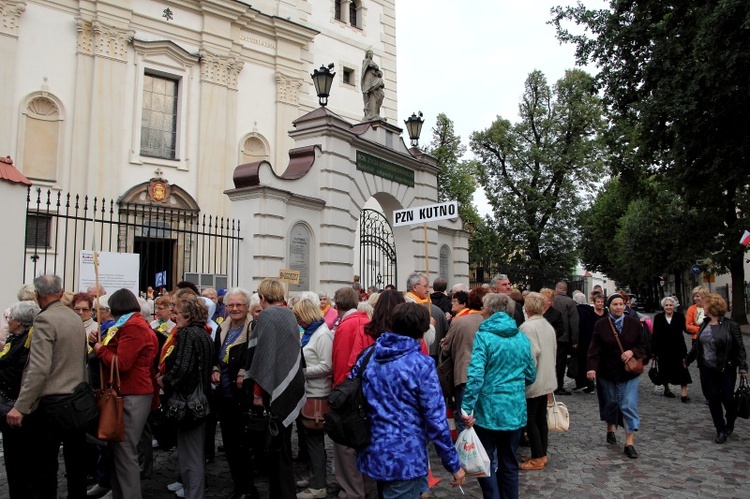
(500, 369)
(405, 408)
(12, 361)
(668, 345)
(695, 315)
(230, 353)
(616, 388)
(187, 367)
(544, 351)
(459, 341)
(329, 313)
(720, 352)
(83, 305)
(133, 345)
(317, 344)
(587, 317)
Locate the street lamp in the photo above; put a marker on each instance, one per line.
(323, 78)
(414, 127)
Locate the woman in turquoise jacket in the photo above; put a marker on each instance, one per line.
(501, 367)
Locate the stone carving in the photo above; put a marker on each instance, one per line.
(287, 89)
(110, 41)
(42, 107)
(85, 36)
(372, 88)
(10, 12)
(220, 70)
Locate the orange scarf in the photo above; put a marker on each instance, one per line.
(463, 312)
(324, 310)
(419, 300)
(167, 349)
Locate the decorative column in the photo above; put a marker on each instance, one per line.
(10, 13)
(217, 129)
(287, 110)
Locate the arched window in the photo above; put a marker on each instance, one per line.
(253, 148)
(355, 9)
(40, 139)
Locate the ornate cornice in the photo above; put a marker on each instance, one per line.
(100, 39)
(10, 12)
(287, 89)
(220, 70)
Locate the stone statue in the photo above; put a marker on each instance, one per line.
(373, 87)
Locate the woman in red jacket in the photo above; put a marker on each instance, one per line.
(134, 344)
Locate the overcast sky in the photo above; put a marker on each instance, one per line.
(470, 60)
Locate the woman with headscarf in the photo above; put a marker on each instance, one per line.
(616, 340)
(668, 344)
(13, 359)
(720, 351)
(133, 345)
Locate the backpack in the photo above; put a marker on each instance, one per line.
(346, 421)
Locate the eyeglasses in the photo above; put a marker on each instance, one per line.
(81, 310)
(236, 305)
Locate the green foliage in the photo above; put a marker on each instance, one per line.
(539, 172)
(456, 177)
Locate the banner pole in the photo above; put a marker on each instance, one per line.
(426, 252)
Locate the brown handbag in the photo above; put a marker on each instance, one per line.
(313, 413)
(633, 365)
(111, 419)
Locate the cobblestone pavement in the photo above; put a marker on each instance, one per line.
(678, 457)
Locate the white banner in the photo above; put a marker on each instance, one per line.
(116, 271)
(421, 214)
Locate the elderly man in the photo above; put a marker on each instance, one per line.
(418, 291)
(56, 366)
(501, 284)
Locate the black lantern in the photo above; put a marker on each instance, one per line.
(414, 127)
(323, 78)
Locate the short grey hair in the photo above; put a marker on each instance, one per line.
(24, 312)
(239, 291)
(498, 302)
(460, 287)
(48, 285)
(145, 307)
(413, 279)
(673, 299)
(254, 300)
(498, 277)
(579, 298)
(26, 293)
(307, 295)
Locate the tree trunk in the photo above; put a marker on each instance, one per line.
(737, 269)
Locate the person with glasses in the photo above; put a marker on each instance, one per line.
(83, 305)
(162, 322)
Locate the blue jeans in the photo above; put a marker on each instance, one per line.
(501, 447)
(401, 489)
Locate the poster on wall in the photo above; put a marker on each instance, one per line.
(116, 271)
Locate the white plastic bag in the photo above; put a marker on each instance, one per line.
(471, 454)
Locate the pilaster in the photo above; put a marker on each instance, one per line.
(10, 14)
(287, 110)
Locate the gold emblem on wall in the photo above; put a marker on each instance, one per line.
(158, 190)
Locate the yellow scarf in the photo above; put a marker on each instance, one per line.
(5, 350)
(419, 300)
(167, 349)
(324, 310)
(110, 334)
(27, 344)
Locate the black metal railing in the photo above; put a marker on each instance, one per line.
(180, 241)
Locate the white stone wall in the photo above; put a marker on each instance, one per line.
(12, 249)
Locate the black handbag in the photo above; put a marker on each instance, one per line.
(189, 412)
(655, 374)
(6, 404)
(72, 412)
(742, 399)
(572, 367)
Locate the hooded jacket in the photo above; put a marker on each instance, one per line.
(406, 407)
(500, 369)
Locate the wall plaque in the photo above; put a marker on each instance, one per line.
(299, 256)
(383, 168)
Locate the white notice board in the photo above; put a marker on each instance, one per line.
(116, 271)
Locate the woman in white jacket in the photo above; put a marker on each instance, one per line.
(317, 345)
(544, 352)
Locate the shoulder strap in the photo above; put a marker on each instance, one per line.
(365, 361)
(614, 331)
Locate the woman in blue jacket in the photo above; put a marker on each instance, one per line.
(501, 366)
(405, 408)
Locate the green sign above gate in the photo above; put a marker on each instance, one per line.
(383, 168)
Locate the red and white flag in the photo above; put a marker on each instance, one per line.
(745, 238)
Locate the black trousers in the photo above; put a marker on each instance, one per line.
(45, 442)
(718, 388)
(561, 362)
(536, 425)
(235, 444)
(282, 484)
(18, 456)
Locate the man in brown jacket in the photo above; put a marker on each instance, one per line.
(57, 364)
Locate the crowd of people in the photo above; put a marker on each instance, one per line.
(261, 366)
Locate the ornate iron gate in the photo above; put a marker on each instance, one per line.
(184, 243)
(377, 250)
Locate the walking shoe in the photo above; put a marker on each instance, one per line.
(304, 483)
(611, 438)
(533, 465)
(563, 391)
(668, 394)
(720, 438)
(588, 389)
(174, 487)
(685, 399)
(97, 491)
(631, 452)
(179, 493)
(313, 494)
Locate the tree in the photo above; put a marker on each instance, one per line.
(539, 173)
(676, 76)
(456, 177)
